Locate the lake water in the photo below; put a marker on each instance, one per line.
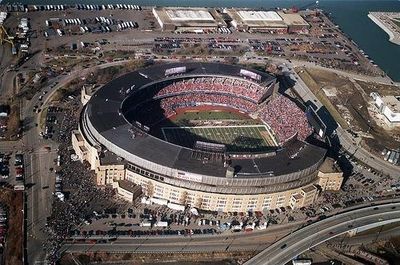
(350, 15)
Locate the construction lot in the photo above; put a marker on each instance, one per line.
(350, 104)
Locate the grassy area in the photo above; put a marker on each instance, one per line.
(235, 138)
(318, 92)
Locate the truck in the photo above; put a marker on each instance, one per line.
(145, 224)
(387, 155)
(396, 158)
(60, 196)
(391, 157)
(19, 186)
(161, 224)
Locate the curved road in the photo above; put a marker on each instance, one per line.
(303, 239)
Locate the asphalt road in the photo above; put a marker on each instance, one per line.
(252, 241)
(301, 240)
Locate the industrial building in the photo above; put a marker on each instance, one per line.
(268, 21)
(196, 20)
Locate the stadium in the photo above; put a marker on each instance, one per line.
(213, 136)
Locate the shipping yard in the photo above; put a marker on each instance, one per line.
(254, 126)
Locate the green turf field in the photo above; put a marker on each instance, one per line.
(254, 138)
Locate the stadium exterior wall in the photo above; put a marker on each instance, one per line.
(224, 202)
(207, 197)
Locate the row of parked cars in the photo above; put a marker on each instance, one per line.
(4, 166)
(109, 6)
(391, 156)
(363, 179)
(138, 233)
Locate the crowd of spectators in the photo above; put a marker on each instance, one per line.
(230, 86)
(286, 119)
(170, 104)
(166, 107)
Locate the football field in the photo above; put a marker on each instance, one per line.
(248, 138)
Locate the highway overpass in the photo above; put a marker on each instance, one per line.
(307, 237)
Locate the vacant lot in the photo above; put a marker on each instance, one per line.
(348, 102)
(14, 240)
(215, 258)
(383, 90)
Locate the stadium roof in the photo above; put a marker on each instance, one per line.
(103, 112)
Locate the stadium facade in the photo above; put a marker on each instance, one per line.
(114, 138)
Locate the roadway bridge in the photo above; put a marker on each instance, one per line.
(309, 236)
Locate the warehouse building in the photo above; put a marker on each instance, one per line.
(257, 21)
(268, 21)
(196, 20)
(295, 22)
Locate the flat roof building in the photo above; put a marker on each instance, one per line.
(295, 22)
(188, 19)
(268, 21)
(257, 21)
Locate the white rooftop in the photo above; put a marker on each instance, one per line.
(248, 15)
(191, 15)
